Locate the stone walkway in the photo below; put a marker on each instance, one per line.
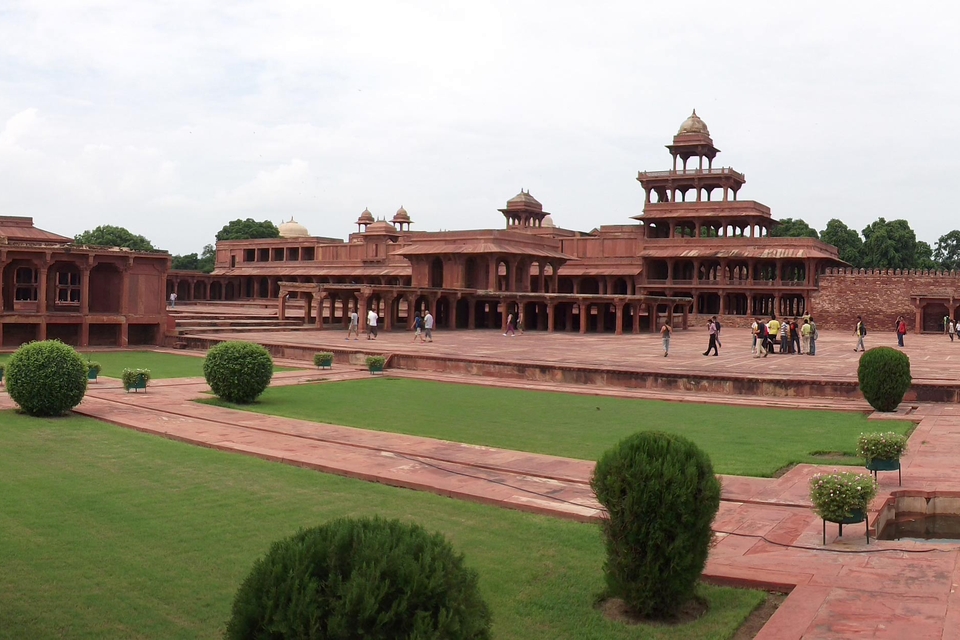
(767, 534)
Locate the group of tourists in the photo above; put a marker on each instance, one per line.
(514, 324)
(951, 328)
(794, 335)
(422, 324)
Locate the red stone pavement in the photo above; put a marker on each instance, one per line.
(767, 534)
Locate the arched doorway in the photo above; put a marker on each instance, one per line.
(933, 314)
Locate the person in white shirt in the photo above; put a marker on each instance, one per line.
(428, 326)
(372, 325)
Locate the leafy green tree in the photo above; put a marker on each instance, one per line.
(108, 235)
(947, 252)
(204, 262)
(248, 229)
(790, 228)
(925, 256)
(847, 241)
(889, 245)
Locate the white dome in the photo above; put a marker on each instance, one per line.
(547, 221)
(293, 229)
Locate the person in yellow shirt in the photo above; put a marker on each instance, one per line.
(773, 327)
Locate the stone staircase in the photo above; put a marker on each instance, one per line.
(234, 317)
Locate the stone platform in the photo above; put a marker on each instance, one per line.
(631, 361)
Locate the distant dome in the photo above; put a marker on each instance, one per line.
(694, 124)
(401, 216)
(524, 200)
(366, 217)
(547, 221)
(293, 229)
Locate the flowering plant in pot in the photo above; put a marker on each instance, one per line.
(881, 446)
(323, 359)
(376, 363)
(842, 496)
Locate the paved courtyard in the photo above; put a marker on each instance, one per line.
(767, 533)
(933, 358)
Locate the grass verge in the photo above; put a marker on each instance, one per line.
(161, 365)
(110, 533)
(740, 440)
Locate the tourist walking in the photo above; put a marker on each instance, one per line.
(814, 336)
(511, 330)
(901, 330)
(753, 330)
(173, 298)
(428, 326)
(861, 333)
(760, 339)
(372, 325)
(946, 324)
(520, 321)
(773, 332)
(951, 330)
(354, 326)
(784, 330)
(712, 345)
(665, 332)
(418, 327)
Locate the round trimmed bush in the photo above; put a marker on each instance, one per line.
(660, 495)
(360, 578)
(884, 375)
(238, 371)
(46, 378)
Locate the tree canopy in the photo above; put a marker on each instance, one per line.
(947, 251)
(248, 229)
(889, 245)
(790, 228)
(845, 239)
(110, 236)
(193, 262)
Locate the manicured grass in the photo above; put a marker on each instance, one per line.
(110, 533)
(740, 441)
(161, 365)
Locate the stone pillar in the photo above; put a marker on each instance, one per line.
(918, 319)
(363, 311)
(723, 303)
(569, 317)
(551, 309)
(636, 317)
(601, 316)
(584, 316)
(452, 324)
(619, 329)
(282, 307)
(388, 313)
(472, 313)
(686, 316)
(42, 291)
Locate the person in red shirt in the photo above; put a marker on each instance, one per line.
(901, 330)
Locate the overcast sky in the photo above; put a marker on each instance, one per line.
(172, 118)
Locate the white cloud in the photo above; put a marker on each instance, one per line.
(173, 118)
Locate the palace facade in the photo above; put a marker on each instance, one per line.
(83, 296)
(696, 249)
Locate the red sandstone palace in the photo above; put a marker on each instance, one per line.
(696, 249)
(52, 288)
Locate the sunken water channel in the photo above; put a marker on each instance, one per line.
(926, 517)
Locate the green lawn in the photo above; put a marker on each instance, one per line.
(110, 533)
(161, 365)
(740, 441)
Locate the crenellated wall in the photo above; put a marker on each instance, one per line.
(880, 295)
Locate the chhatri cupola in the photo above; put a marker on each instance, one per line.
(523, 210)
(691, 181)
(694, 198)
(401, 218)
(366, 219)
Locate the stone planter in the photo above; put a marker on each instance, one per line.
(92, 375)
(859, 515)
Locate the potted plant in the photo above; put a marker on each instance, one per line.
(323, 360)
(376, 363)
(842, 497)
(135, 379)
(1, 372)
(93, 370)
(882, 451)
